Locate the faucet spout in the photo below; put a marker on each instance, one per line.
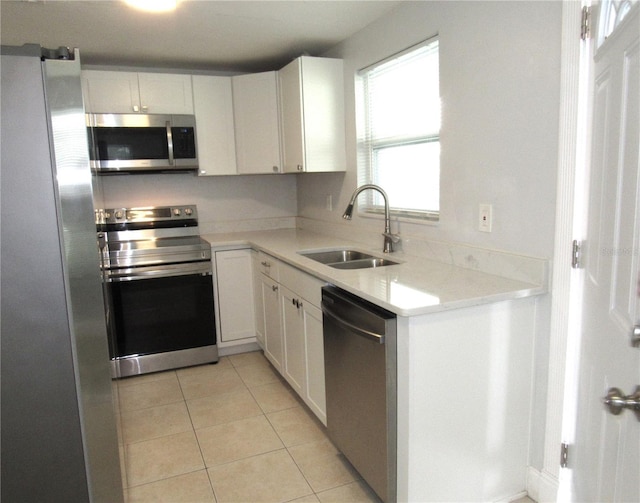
(389, 238)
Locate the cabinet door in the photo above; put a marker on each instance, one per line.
(235, 295)
(314, 352)
(165, 93)
(258, 300)
(313, 122)
(272, 322)
(257, 123)
(292, 117)
(295, 367)
(110, 92)
(213, 107)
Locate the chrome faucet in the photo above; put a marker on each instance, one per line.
(389, 238)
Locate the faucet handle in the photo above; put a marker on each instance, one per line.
(395, 238)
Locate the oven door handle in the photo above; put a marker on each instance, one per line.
(163, 271)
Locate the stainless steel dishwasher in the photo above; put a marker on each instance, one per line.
(360, 376)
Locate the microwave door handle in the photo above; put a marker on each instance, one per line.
(170, 142)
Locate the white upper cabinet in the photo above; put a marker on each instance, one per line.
(257, 124)
(110, 92)
(132, 92)
(213, 107)
(312, 114)
(165, 93)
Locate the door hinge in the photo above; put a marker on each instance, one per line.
(564, 454)
(585, 24)
(576, 252)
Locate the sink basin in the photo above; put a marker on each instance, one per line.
(346, 259)
(335, 256)
(363, 263)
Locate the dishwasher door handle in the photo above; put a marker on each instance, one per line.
(379, 338)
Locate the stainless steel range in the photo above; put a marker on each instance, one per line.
(158, 285)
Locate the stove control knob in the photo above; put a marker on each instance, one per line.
(176, 212)
(188, 211)
(119, 214)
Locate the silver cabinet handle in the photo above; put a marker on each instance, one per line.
(299, 167)
(275, 169)
(616, 401)
(265, 263)
(274, 288)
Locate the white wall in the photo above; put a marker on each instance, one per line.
(500, 87)
(225, 203)
(500, 75)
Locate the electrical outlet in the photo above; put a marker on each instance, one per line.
(485, 218)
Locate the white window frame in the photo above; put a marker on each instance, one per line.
(370, 202)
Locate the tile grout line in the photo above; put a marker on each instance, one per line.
(204, 463)
(263, 412)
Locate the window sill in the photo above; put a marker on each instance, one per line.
(432, 219)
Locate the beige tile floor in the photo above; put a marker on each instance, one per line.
(231, 432)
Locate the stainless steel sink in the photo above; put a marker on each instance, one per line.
(363, 263)
(347, 259)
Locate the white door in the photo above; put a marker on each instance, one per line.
(606, 456)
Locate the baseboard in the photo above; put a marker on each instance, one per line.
(234, 349)
(513, 498)
(541, 486)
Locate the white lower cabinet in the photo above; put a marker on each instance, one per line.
(288, 314)
(234, 299)
(314, 395)
(295, 368)
(267, 307)
(273, 343)
(258, 299)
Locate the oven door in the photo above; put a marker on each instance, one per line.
(162, 321)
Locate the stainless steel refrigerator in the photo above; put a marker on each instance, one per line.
(59, 437)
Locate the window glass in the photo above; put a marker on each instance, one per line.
(399, 132)
(612, 12)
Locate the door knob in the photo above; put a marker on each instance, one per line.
(616, 401)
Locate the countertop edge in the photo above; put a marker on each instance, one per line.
(256, 240)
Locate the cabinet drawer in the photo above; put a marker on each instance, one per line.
(269, 265)
(305, 285)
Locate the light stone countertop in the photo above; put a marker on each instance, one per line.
(413, 287)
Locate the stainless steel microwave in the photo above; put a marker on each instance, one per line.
(129, 143)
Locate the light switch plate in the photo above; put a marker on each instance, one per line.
(485, 218)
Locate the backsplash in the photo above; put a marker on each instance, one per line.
(252, 224)
(225, 203)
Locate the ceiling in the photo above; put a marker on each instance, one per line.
(245, 36)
